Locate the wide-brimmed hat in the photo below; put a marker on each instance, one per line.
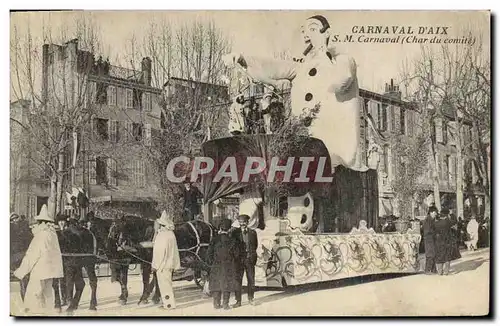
(166, 220)
(44, 215)
(14, 216)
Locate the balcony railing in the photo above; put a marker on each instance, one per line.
(125, 73)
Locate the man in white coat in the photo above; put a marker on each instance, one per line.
(43, 261)
(324, 79)
(166, 259)
(473, 231)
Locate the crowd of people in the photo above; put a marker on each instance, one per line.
(442, 239)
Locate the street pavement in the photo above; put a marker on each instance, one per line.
(463, 293)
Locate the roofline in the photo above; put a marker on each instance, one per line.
(198, 82)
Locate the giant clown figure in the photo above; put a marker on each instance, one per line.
(322, 77)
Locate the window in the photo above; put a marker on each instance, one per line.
(111, 172)
(101, 96)
(137, 131)
(101, 170)
(139, 173)
(130, 98)
(402, 122)
(137, 101)
(51, 58)
(101, 126)
(111, 95)
(382, 116)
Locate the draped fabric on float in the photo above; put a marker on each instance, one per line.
(354, 198)
(244, 146)
(351, 197)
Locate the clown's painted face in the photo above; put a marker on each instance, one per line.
(311, 33)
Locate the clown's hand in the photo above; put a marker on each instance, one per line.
(232, 58)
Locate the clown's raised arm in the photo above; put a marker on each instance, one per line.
(265, 70)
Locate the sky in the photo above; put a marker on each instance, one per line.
(265, 32)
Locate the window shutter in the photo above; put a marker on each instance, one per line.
(439, 130)
(397, 117)
(147, 134)
(143, 174)
(111, 171)
(410, 121)
(128, 131)
(453, 169)
(445, 131)
(373, 110)
(91, 93)
(452, 133)
(146, 101)
(92, 171)
(390, 163)
(111, 133)
(120, 97)
(390, 118)
(473, 172)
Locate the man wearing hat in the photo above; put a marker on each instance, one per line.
(43, 261)
(224, 256)
(429, 236)
(248, 239)
(166, 259)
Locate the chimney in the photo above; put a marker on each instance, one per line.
(146, 70)
(392, 90)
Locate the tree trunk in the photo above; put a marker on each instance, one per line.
(52, 202)
(60, 173)
(60, 183)
(435, 178)
(459, 172)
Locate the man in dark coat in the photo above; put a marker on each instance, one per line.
(454, 237)
(443, 243)
(429, 235)
(248, 239)
(191, 208)
(224, 256)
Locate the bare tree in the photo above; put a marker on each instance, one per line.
(453, 82)
(53, 78)
(187, 65)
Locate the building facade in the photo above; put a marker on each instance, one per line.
(105, 156)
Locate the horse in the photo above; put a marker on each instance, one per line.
(124, 245)
(79, 249)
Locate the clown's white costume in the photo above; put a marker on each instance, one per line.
(43, 261)
(323, 77)
(166, 259)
